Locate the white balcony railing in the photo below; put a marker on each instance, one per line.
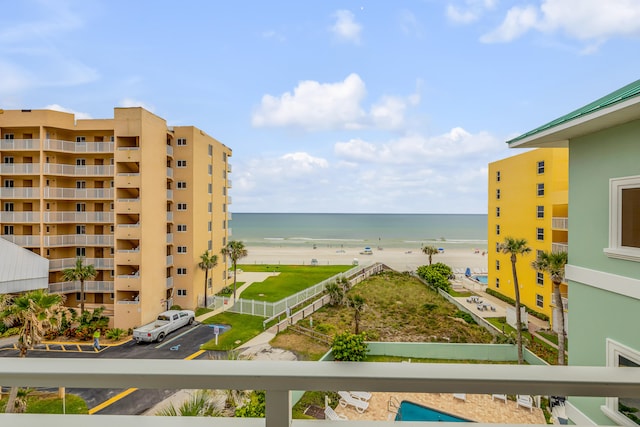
(229, 216)
(560, 223)
(279, 378)
(98, 263)
(24, 241)
(169, 237)
(78, 217)
(89, 286)
(169, 194)
(229, 200)
(17, 217)
(229, 184)
(74, 170)
(19, 193)
(169, 261)
(559, 247)
(169, 150)
(78, 147)
(78, 193)
(229, 232)
(169, 216)
(169, 282)
(19, 144)
(19, 168)
(170, 172)
(79, 240)
(229, 168)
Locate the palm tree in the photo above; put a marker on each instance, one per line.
(429, 251)
(79, 272)
(358, 304)
(515, 247)
(203, 403)
(207, 262)
(553, 264)
(235, 250)
(35, 312)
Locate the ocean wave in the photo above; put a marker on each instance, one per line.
(312, 239)
(454, 241)
(274, 238)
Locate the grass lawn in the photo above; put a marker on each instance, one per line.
(457, 294)
(49, 403)
(243, 328)
(292, 279)
(426, 360)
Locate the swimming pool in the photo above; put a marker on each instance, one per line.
(482, 279)
(410, 411)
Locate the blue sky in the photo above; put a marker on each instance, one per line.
(329, 106)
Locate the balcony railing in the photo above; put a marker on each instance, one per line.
(279, 378)
(19, 193)
(89, 286)
(229, 200)
(169, 216)
(229, 168)
(20, 144)
(229, 232)
(78, 217)
(78, 170)
(560, 223)
(169, 282)
(169, 237)
(170, 172)
(229, 216)
(98, 263)
(79, 240)
(24, 241)
(78, 193)
(559, 247)
(17, 217)
(169, 194)
(169, 261)
(169, 151)
(78, 147)
(19, 168)
(229, 183)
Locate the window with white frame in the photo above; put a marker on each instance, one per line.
(540, 167)
(209, 188)
(498, 247)
(81, 207)
(624, 218)
(498, 194)
(81, 252)
(540, 278)
(81, 162)
(182, 292)
(181, 271)
(210, 169)
(81, 229)
(8, 136)
(209, 207)
(182, 228)
(210, 150)
(182, 185)
(210, 244)
(79, 296)
(209, 226)
(182, 249)
(7, 230)
(539, 211)
(182, 206)
(497, 282)
(182, 142)
(622, 410)
(81, 184)
(182, 163)
(498, 211)
(8, 183)
(8, 159)
(540, 189)
(497, 264)
(539, 301)
(497, 229)
(498, 176)
(540, 233)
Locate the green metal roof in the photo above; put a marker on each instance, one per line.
(629, 91)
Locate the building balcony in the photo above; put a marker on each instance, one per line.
(128, 231)
(128, 180)
(169, 238)
(229, 216)
(280, 378)
(78, 147)
(170, 195)
(94, 286)
(128, 256)
(169, 282)
(128, 154)
(78, 193)
(169, 216)
(98, 263)
(78, 217)
(128, 206)
(19, 168)
(24, 241)
(229, 168)
(20, 144)
(128, 282)
(19, 193)
(169, 172)
(560, 223)
(229, 232)
(169, 261)
(75, 171)
(169, 151)
(559, 247)
(78, 240)
(229, 184)
(229, 200)
(19, 217)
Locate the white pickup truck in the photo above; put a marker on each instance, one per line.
(166, 323)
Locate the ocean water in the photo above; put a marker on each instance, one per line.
(360, 230)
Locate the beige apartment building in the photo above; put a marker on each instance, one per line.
(137, 199)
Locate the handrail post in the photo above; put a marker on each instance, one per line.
(278, 408)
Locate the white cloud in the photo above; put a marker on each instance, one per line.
(130, 102)
(315, 106)
(57, 107)
(345, 27)
(409, 24)
(301, 162)
(470, 12)
(585, 20)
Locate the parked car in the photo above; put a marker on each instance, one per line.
(164, 324)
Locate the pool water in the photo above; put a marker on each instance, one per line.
(482, 279)
(410, 411)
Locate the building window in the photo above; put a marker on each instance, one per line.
(79, 296)
(8, 136)
(539, 301)
(8, 159)
(210, 169)
(81, 184)
(81, 252)
(209, 282)
(541, 167)
(182, 142)
(210, 150)
(209, 207)
(81, 139)
(7, 230)
(182, 163)
(498, 247)
(624, 218)
(210, 245)
(498, 265)
(8, 206)
(182, 206)
(497, 282)
(224, 156)
(209, 226)
(621, 409)
(182, 185)
(498, 176)
(498, 194)
(540, 211)
(540, 278)
(209, 188)
(497, 229)
(181, 271)
(8, 183)
(498, 212)
(81, 207)
(81, 229)
(182, 227)
(182, 249)
(540, 233)
(182, 292)
(81, 162)
(540, 188)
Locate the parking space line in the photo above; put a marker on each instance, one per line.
(111, 401)
(176, 337)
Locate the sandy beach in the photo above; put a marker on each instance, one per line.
(400, 259)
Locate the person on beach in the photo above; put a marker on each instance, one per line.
(96, 339)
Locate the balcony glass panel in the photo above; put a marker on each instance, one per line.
(19, 193)
(19, 144)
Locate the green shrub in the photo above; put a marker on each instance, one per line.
(349, 347)
(175, 307)
(436, 275)
(466, 317)
(115, 334)
(254, 408)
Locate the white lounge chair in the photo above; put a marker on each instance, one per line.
(362, 395)
(330, 414)
(460, 396)
(347, 399)
(525, 401)
(499, 397)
